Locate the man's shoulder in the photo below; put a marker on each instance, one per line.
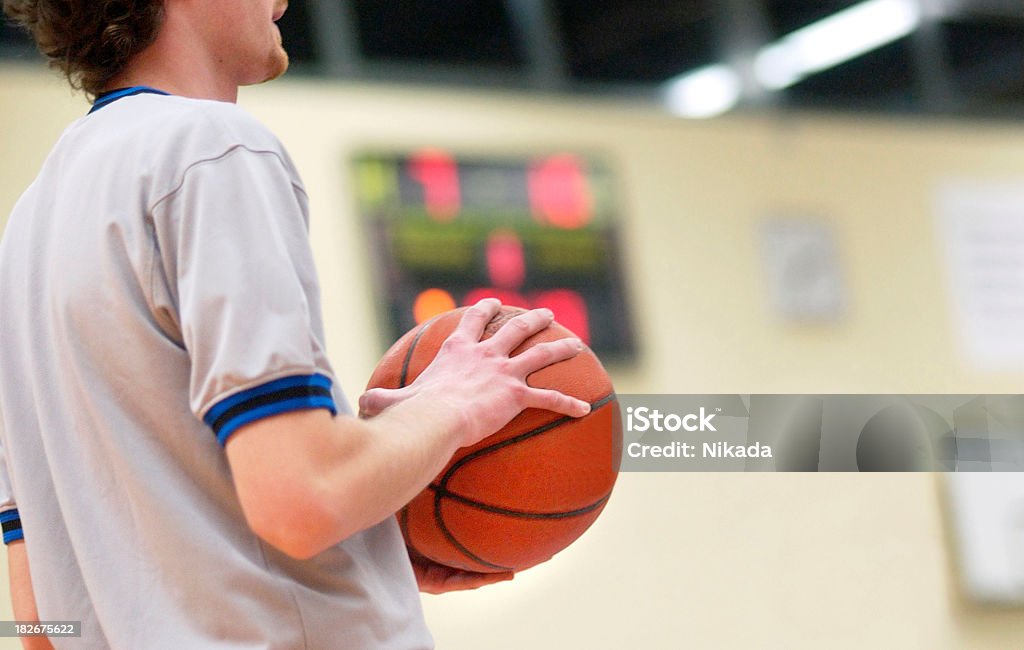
(158, 138)
(167, 130)
(204, 126)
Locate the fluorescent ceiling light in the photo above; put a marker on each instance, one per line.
(705, 92)
(840, 37)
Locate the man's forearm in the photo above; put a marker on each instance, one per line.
(331, 477)
(306, 480)
(23, 599)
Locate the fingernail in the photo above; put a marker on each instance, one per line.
(549, 313)
(579, 345)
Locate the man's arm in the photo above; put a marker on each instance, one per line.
(307, 480)
(23, 599)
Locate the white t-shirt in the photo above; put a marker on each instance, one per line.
(157, 292)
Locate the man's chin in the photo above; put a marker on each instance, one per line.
(277, 67)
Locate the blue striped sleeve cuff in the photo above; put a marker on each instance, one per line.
(10, 520)
(275, 397)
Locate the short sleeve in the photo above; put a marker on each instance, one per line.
(234, 252)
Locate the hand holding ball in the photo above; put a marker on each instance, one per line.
(517, 497)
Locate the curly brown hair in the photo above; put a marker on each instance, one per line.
(90, 41)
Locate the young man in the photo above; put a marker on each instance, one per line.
(180, 470)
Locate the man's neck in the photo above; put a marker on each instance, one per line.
(174, 64)
(173, 85)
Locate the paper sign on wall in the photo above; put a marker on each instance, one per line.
(801, 265)
(981, 226)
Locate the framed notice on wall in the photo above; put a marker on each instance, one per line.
(534, 231)
(981, 230)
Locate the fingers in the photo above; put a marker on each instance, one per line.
(545, 354)
(475, 319)
(520, 328)
(552, 400)
(462, 580)
(437, 579)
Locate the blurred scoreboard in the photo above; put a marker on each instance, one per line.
(446, 231)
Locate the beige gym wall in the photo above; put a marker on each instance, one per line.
(702, 561)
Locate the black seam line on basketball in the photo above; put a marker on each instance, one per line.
(519, 514)
(607, 399)
(412, 346)
(403, 525)
(439, 520)
(270, 398)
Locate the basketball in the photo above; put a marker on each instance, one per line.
(526, 492)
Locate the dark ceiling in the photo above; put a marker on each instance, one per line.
(968, 60)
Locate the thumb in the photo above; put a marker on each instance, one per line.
(375, 400)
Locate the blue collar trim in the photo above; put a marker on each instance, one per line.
(107, 98)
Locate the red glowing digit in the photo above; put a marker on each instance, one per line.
(438, 173)
(559, 192)
(506, 264)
